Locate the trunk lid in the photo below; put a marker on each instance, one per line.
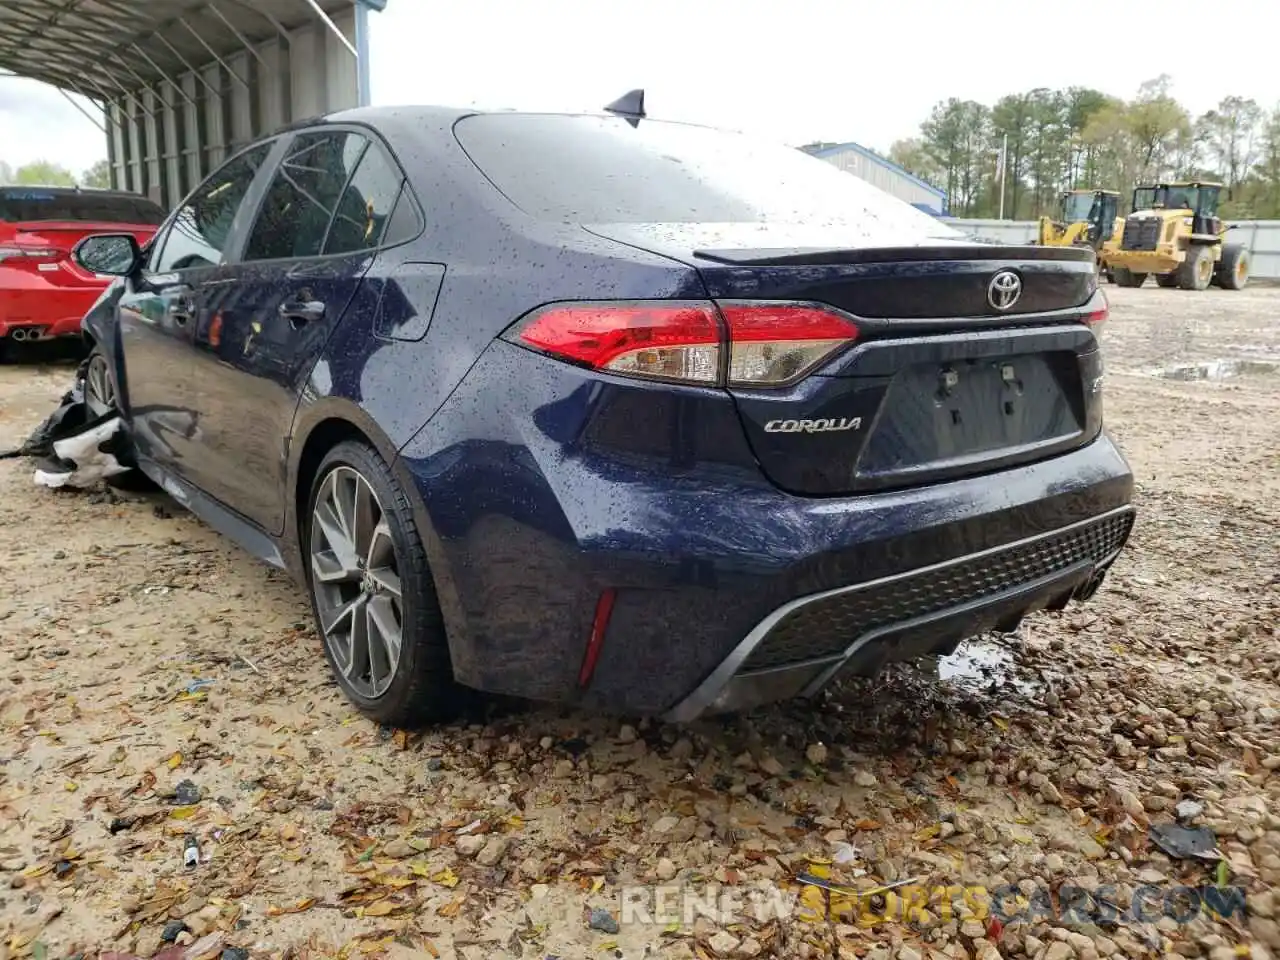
(941, 381)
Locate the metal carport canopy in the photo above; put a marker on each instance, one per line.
(182, 82)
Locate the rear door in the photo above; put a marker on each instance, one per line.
(162, 307)
(301, 265)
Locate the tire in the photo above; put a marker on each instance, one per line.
(420, 688)
(100, 396)
(1127, 278)
(1197, 269)
(1233, 268)
(1167, 280)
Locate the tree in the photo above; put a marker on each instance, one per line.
(912, 156)
(99, 175)
(1262, 189)
(1081, 138)
(42, 173)
(956, 138)
(1229, 134)
(1157, 121)
(1009, 119)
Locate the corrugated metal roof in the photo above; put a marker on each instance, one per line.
(105, 48)
(887, 164)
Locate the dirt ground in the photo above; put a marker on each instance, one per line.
(157, 684)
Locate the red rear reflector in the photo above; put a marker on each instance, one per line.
(769, 344)
(599, 624)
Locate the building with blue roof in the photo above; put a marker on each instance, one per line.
(882, 173)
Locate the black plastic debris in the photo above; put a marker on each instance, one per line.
(186, 794)
(1184, 843)
(191, 852)
(602, 920)
(75, 448)
(120, 824)
(171, 931)
(234, 953)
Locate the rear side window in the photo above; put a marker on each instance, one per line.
(34, 204)
(581, 169)
(303, 196)
(366, 206)
(198, 235)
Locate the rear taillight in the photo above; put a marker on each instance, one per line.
(734, 343)
(28, 254)
(666, 341)
(1097, 311)
(776, 343)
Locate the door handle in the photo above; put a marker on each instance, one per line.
(302, 308)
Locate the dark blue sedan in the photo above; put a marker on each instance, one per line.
(601, 409)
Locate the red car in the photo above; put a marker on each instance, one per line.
(43, 292)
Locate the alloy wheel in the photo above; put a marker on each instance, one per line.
(99, 392)
(356, 582)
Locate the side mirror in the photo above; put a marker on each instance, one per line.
(108, 254)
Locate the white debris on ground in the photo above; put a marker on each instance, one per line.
(163, 696)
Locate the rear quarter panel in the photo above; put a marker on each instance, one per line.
(499, 264)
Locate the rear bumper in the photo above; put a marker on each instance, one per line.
(35, 306)
(528, 517)
(800, 647)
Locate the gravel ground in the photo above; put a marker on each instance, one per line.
(156, 684)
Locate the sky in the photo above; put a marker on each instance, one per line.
(790, 70)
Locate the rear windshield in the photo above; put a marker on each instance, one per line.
(35, 204)
(580, 169)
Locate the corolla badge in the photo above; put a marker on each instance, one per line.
(822, 425)
(1004, 290)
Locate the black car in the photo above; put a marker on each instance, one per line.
(601, 409)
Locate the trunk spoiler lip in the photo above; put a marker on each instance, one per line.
(836, 256)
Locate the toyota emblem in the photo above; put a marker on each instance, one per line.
(1004, 290)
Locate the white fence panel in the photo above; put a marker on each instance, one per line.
(1004, 231)
(1261, 237)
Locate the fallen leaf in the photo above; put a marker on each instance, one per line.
(175, 761)
(302, 905)
(289, 832)
(71, 786)
(183, 813)
(382, 908)
(446, 878)
(1000, 722)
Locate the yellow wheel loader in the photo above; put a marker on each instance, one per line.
(1175, 233)
(1086, 218)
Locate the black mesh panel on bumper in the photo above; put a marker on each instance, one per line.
(826, 627)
